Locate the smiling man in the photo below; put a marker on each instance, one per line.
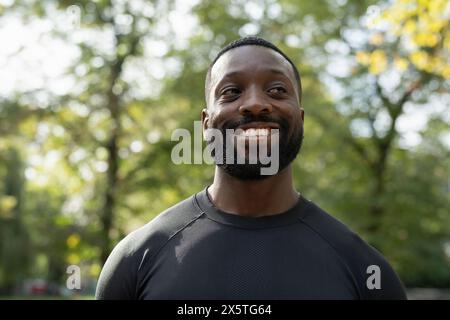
(249, 235)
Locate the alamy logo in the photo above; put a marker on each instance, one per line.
(232, 147)
(74, 280)
(73, 17)
(374, 280)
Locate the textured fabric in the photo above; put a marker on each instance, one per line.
(195, 251)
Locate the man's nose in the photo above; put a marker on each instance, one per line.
(255, 102)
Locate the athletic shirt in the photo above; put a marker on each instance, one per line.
(193, 250)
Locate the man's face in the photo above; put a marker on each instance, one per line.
(255, 87)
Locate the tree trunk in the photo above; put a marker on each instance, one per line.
(108, 212)
(376, 208)
(112, 146)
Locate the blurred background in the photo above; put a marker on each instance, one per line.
(90, 92)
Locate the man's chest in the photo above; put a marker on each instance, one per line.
(245, 268)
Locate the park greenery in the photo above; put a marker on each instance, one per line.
(85, 147)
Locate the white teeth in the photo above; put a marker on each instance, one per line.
(251, 132)
(263, 132)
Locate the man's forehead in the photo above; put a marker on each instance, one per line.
(250, 58)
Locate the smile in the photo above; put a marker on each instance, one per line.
(252, 132)
(256, 129)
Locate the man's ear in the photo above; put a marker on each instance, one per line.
(302, 114)
(205, 121)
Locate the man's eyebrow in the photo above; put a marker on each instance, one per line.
(232, 74)
(229, 75)
(278, 71)
(237, 73)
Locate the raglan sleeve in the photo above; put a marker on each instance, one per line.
(377, 278)
(118, 278)
(390, 287)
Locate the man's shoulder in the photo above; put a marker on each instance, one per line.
(359, 256)
(332, 230)
(120, 274)
(163, 227)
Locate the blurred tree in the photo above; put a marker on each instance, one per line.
(423, 29)
(387, 82)
(98, 157)
(14, 240)
(107, 94)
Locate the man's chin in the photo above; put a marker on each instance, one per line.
(246, 172)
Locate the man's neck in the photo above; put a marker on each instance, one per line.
(253, 198)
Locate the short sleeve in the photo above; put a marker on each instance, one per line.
(118, 277)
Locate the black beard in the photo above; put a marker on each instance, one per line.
(288, 148)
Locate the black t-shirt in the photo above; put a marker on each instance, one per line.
(195, 251)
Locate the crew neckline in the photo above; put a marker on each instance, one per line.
(287, 217)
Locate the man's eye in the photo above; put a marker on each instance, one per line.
(230, 92)
(276, 90)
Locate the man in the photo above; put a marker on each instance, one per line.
(248, 235)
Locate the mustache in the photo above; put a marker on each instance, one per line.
(233, 124)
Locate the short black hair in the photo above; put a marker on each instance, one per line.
(251, 41)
